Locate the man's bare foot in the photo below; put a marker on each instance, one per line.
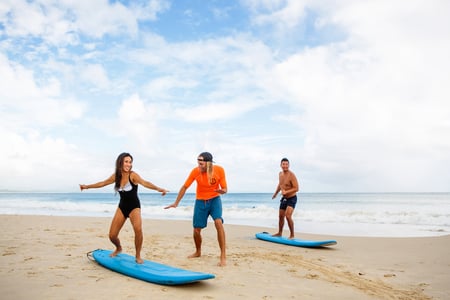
(139, 260)
(291, 237)
(118, 250)
(276, 234)
(195, 254)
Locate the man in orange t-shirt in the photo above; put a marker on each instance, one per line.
(211, 183)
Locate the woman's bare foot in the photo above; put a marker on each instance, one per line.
(118, 250)
(139, 260)
(222, 262)
(195, 254)
(276, 234)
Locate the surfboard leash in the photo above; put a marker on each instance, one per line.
(90, 256)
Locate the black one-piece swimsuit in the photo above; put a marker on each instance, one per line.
(129, 200)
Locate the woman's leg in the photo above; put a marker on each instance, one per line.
(116, 224)
(136, 221)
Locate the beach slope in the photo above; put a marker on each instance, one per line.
(44, 257)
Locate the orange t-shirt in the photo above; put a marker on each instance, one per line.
(206, 190)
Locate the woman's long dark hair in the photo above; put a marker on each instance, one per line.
(119, 164)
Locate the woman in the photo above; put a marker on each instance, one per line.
(126, 183)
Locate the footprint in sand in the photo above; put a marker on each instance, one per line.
(312, 276)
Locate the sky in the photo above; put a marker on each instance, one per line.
(356, 94)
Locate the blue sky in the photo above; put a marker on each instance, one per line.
(356, 93)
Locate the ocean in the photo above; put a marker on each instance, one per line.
(342, 214)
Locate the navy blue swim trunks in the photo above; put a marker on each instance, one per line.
(285, 202)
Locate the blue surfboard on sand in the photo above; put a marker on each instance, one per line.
(294, 242)
(148, 271)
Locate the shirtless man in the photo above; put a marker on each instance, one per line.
(288, 186)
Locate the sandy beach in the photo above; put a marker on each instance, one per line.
(44, 257)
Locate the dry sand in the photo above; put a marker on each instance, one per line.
(44, 257)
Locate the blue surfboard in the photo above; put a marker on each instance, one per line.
(148, 271)
(294, 242)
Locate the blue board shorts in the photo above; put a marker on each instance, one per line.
(205, 208)
(285, 202)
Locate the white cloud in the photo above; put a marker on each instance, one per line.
(367, 111)
(137, 122)
(34, 162)
(367, 101)
(62, 22)
(31, 105)
(96, 75)
(279, 14)
(28, 110)
(207, 112)
(161, 88)
(148, 10)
